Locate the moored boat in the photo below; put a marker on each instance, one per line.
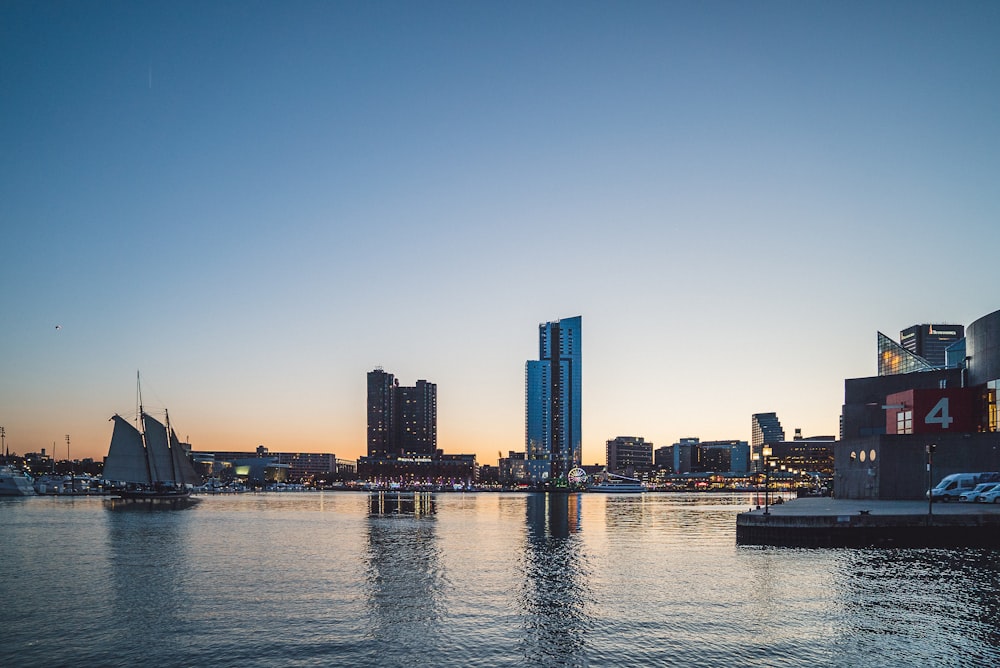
(14, 482)
(616, 484)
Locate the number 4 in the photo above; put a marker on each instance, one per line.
(939, 414)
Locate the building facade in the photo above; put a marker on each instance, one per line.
(732, 456)
(931, 341)
(414, 419)
(380, 389)
(765, 428)
(401, 420)
(629, 455)
(553, 410)
(903, 432)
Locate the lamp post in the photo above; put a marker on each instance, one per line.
(756, 477)
(766, 455)
(930, 480)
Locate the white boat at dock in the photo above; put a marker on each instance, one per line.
(14, 482)
(612, 483)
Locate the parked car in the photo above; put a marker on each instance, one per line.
(992, 496)
(953, 486)
(978, 491)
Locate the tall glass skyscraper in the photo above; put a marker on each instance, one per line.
(553, 392)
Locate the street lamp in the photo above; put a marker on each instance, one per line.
(930, 479)
(766, 454)
(756, 477)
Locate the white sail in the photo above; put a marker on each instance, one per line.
(182, 462)
(126, 460)
(160, 462)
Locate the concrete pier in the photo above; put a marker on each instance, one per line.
(825, 522)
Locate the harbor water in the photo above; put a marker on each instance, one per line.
(469, 579)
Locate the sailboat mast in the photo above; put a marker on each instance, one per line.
(170, 446)
(141, 425)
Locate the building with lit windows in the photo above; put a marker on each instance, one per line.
(732, 456)
(629, 455)
(553, 406)
(916, 416)
(296, 465)
(813, 454)
(402, 437)
(765, 428)
(401, 420)
(931, 341)
(380, 391)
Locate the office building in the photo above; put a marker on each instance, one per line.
(931, 341)
(731, 456)
(553, 392)
(629, 455)
(765, 428)
(663, 459)
(684, 456)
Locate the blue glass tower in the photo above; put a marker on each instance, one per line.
(553, 390)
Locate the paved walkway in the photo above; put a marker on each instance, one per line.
(823, 506)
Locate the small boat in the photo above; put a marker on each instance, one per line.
(148, 465)
(69, 485)
(616, 484)
(14, 482)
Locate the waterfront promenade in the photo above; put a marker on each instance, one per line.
(827, 522)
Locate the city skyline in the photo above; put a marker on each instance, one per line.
(254, 208)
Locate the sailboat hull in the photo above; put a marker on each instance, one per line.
(152, 494)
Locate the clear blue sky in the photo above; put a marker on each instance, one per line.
(255, 203)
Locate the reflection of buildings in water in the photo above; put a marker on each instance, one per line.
(553, 515)
(405, 585)
(554, 598)
(402, 503)
(623, 513)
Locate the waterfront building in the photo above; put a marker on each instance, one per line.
(663, 459)
(414, 419)
(931, 341)
(553, 406)
(295, 465)
(813, 454)
(732, 456)
(380, 389)
(401, 420)
(402, 437)
(902, 432)
(765, 428)
(629, 455)
(684, 456)
(418, 470)
(514, 469)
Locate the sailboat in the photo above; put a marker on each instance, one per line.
(151, 463)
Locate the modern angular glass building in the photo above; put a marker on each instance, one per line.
(553, 392)
(894, 359)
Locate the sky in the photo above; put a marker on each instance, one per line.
(253, 204)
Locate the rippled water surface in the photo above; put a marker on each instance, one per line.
(328, 579)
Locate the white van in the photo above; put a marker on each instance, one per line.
(955, 485)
